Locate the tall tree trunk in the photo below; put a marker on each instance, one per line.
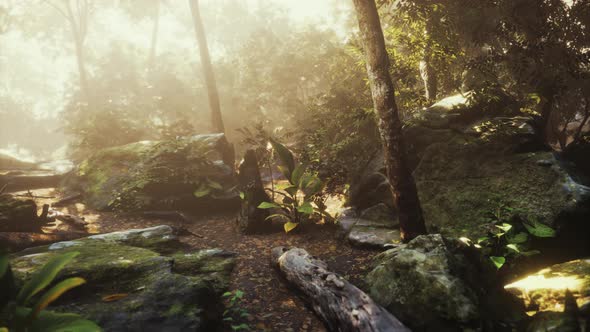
(79, 34)
(207, 68)
(154, 42)
(427, 71)
(403, 187)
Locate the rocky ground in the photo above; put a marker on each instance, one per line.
(270, 305)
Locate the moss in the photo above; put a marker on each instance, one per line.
(462, 180)
(154, 174)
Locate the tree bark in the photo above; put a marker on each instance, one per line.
(426, 70)
(212, 93)
(341, 306)
(251, 218)
(403, 187)
(79, 34)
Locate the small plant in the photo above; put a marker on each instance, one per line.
(301, 197)
(234, 313)
(510, 235)
(15, 310)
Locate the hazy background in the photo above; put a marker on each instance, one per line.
(38, 65)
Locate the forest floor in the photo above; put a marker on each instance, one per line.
(271, 305)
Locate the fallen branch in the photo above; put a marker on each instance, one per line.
(341, 305)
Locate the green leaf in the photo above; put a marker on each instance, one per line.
(226, 294)
(242, 195)
(505, 227)
(498, 261)
(214, 185)
(517, 238)
(289, 226)
(44, 277)
(513, 247)
(291, 190)
(242, 326)
(285, 156)
(57, 322)
(539, 230)
(202, 191)
(305, 208)
(54, 293)
(268, 205)
(530, 253)
(297, 173)
(277, 215)
(312, 186)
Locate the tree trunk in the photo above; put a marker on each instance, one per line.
(403, 187)
(154, 42)
(341, 306)
(251, 218)
(212, 93)
(426, 70)
(79, 34)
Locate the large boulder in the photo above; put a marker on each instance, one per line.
(470, 162)
(132, 288)
(434, 284)
(191, 172)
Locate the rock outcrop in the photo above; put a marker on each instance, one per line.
(191, 172)
(131, 286)
(433, 284)
(470, 161)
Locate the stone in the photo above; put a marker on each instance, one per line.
(157, 292)
(545, 289)
(373, 234)
(380, 212)
(550, 321)
(433, 284)
(470, 162)
(186, 173)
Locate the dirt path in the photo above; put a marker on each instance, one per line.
(270, 304)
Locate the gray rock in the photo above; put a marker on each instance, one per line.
(381, 213)
(364, 233)
(429, 285)
(178, 292)
(191, 172)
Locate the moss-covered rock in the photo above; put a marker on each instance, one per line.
(469, 162)
(131, 288)
(191, 172)
(545, 289)
(432, 284)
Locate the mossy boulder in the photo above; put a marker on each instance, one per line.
(191, 172)
(545, 290)
(434, 284)
(132, 288)
(469, 162)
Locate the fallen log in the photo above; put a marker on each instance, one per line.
(341, 305)
(74, 221)
(15, 241)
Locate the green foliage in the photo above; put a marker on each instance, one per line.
(509, 235)
(14, 311)
(298, 202)
(234, 314)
